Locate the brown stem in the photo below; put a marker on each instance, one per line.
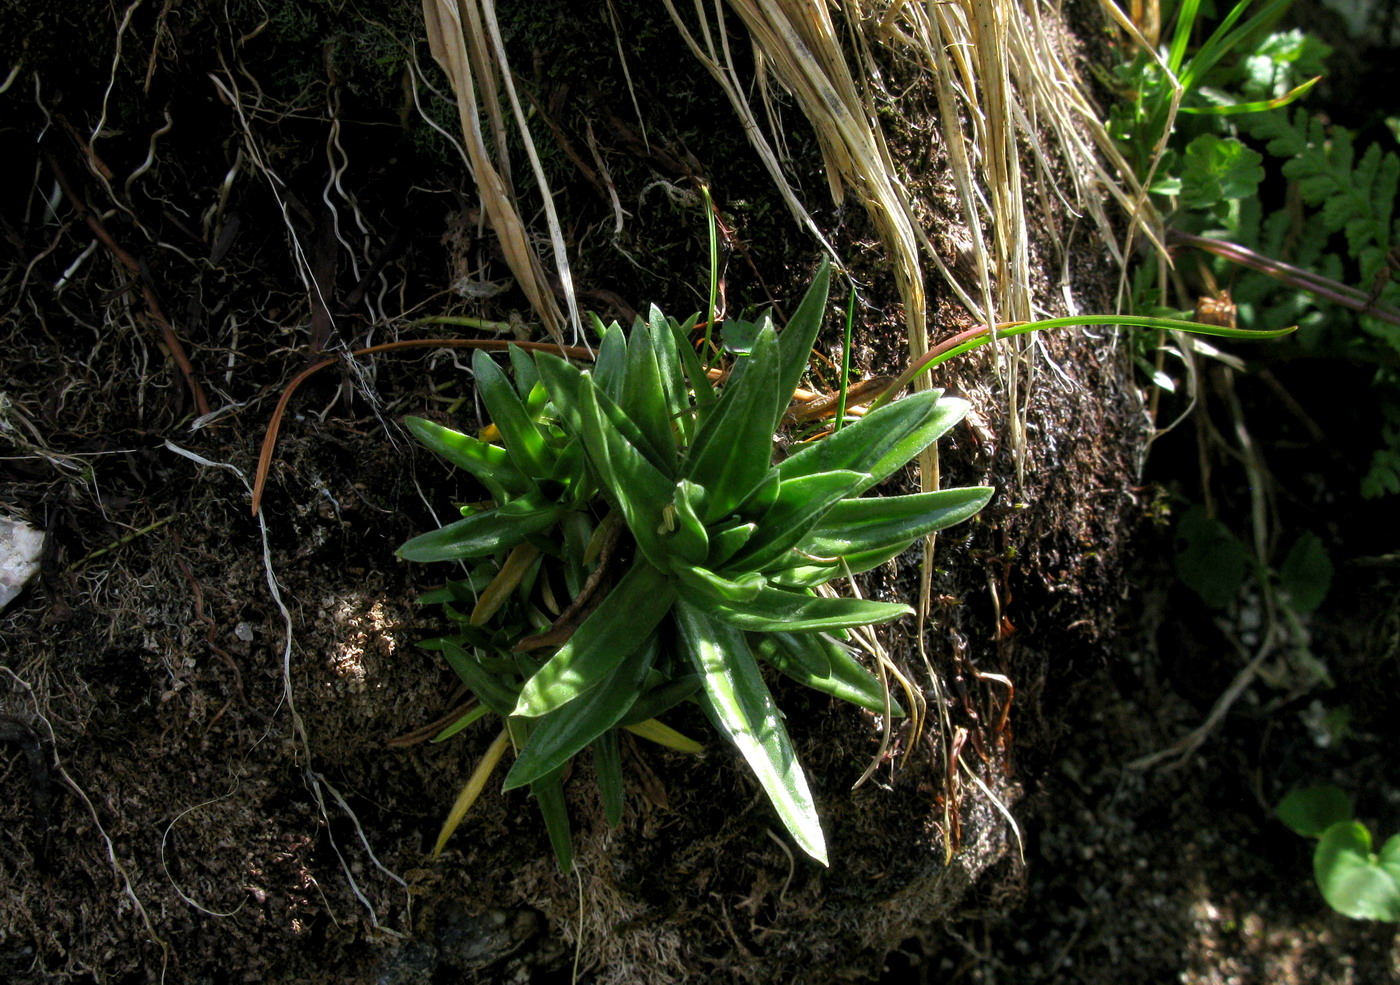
(153, 309)
(1307, 280)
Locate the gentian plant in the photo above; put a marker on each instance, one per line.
(641, 547)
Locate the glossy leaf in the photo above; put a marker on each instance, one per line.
(1353, 881)
(559, 736)
(773, 611)
(522, 365)
(688, 537)
(607, 763)
(740, 706)
(855, 526)
(641, 492)
(1312, 810)
(610, 367)
(618, 627)
(484, 533)
(698, 583)
(520, 435)
(643, 398)
(824, 665)
(700, 384)
(661, 699)
(809, 572)
(668, 363)
(797, 338)
(549, 797)
(882, 441)
(489, 689)
(734, 447)
(727, 539)
(488, 463)
(800, 504)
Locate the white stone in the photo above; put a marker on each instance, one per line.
(20, 548)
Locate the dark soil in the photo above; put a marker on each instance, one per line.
(215, 694)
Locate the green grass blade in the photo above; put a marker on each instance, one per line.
(740, 706)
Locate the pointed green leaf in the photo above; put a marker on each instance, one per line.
(642, 493)
(808, 572)
(773, 610)
(520, 435)
(797, 339)
(562, 734)
(487, 462)
(733, 450)
(726, 540)
(855, 526)
(621, 623)
(490, 689)
(824, 665)
(668, 363)
(484, 533)
(776, 610)
(686, 535)
(880, 442)
(526, 374)
(740, 706)
(661, 699)
(699, 380)
(800, 505)
(610, 367)
(607, 763)
(698, 583)
(549, 796)
(644, 397)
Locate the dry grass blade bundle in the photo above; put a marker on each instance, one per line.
(466, 43)
(1002, 81)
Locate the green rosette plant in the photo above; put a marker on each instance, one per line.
(642, 548)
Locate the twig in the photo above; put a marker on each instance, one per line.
(153, 309)
(1307, 280)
